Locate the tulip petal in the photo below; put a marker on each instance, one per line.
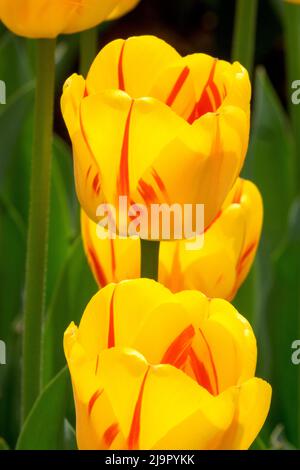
(48, 19)
(220, 266)
(89, 13)
(174, 87)
(123, 7)
(116, 65)
(121, 317)
(160, 404)
(217, 83)
(96, 425)
(86, 168)
(253, 405)
(119, 160)
(224, 345)
(232, 344)
(106, 256)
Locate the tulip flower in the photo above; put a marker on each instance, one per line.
(156, 370)
(157, 128)
(49, 18)
(217, 269)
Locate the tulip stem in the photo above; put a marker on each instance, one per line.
(243, 47)
(88, 49)
(37, 242)
(292, 32)
(149, 259)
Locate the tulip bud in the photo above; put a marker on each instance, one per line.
(49, 18)
(157, 129)
(156, 370)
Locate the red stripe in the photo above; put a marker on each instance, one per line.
(110, 434)
(101, 278)
(211, 361)
(245, 255)
(96, 185)
(97, 364)
(217, 96)
(200, 372)
(134, 434)
(88, 172)
(159, 181)
(111, 328)
(120, 69)
(147, 192)
(93, 400)
(87, 142)
(178, 351)
(160, 184)
(204, 104)
(123, 182)
(239, 268)
(113, 257)
(178, 86)
(238, 193)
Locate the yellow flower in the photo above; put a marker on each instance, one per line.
(49, 18)
(156, 370)
(217, 269)
(156, 127)
(122, 7)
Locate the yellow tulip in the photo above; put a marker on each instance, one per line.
(156, 370)
(156, 127)
(122, 7)
(217, 269)
(49, 18)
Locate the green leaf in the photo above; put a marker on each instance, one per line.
(63, 220)
(69, 436)
(3, 444)
(259, 444)
(12, 248)
(283, 315)
(271, 159)
(44, 427)
(12, 117)
(271, 165)
(74, 289)
(245, 300)
(12, 268)
(15, 68)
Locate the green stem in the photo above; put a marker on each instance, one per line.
(244, 37)
(292, 32)
(88, 49)
(149, 259)
(37, 243)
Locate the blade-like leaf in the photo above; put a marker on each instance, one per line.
(44, 427)
(75, 287)
(283, 314)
